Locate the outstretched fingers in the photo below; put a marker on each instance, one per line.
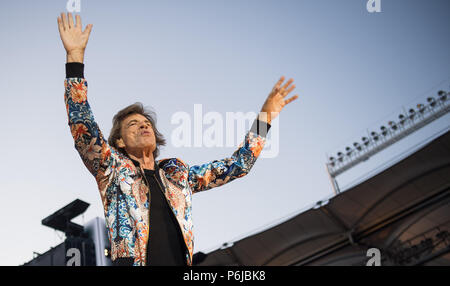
(78, 21)
(88, 30)
(282, 90)
(276, 87)
(60, 25)
(283, 94)
(71, 25)
(287, 101)
(278, 84)
(64, 21)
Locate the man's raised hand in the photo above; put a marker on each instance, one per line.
(276, 101)
(72, 36)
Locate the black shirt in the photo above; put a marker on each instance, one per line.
(166, 246)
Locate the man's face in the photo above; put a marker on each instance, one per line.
(137, 133)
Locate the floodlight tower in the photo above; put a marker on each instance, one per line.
(374, 142)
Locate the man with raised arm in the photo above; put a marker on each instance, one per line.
(147, 202)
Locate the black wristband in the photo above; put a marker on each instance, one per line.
(74, 70)
(260, 127)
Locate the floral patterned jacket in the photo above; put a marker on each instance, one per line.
(123, 189)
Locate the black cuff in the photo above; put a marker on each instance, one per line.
(74, 70)
(260, 127)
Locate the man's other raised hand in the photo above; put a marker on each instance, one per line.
(72, 36)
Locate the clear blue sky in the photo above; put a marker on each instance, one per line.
(353, 70)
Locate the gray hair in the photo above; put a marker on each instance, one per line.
(136, 108)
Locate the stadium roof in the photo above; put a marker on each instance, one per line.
(404, 211)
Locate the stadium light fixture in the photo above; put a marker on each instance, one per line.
(393, 125)
(421, 108)
(442, 95)
(348, 151)
(412, 113)
(374, 135)
(431, 101)
(340, 156)
(365, 141)
(402, 119)
(384, 130)
(357, 146)
(332, 161)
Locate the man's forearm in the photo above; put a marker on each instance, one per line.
(75, 57)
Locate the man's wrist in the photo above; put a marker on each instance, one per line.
(265, 116)
(260, 127)
(75, 57)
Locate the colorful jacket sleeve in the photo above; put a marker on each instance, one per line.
(89, 141)
(219, 172)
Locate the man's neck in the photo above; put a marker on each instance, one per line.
(146, 160)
